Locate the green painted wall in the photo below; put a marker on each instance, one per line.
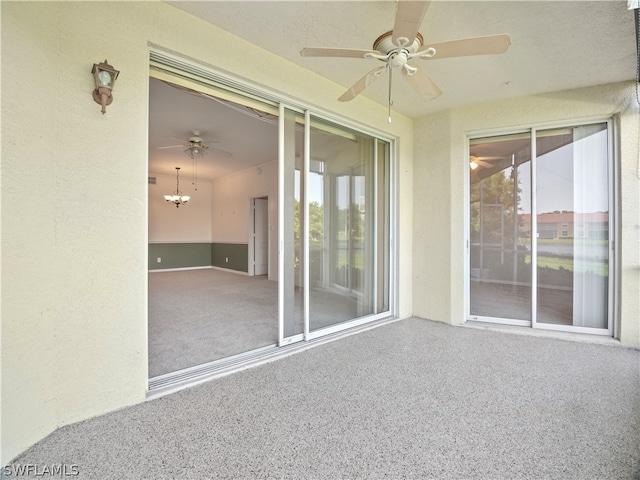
(179, 255)
(234, 256)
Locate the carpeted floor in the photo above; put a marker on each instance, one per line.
(411, 399)
(197, 316)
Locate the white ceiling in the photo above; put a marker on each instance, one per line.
(175, 113)
(556, 45)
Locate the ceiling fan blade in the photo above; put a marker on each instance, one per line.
(483, 164)
(361, 84)
(170, 146)
(491, 44)
(422, 83)
(220, 152)
(409, 17)
(335, 52)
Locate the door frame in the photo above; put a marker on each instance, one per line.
(252, 241)
(612, 294)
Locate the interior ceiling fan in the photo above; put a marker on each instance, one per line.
(486, 162)
(397, 47)
(196, 147)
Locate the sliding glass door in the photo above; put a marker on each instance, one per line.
(335, 199)
(540, 237)
(348, 271)
(500, 247)
(573, 226)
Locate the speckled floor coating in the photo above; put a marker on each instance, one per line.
(412, 399)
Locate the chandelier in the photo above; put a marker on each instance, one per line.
(177, 198)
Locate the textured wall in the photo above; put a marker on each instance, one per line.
(440, 176)
(74, 198)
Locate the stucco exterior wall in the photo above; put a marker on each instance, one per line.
(440, 177)
(74, 198)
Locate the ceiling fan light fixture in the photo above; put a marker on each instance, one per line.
(196, 147)
(473, 165)
(195, 151)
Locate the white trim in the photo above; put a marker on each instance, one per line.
(466, 308)
(500, 321)
(376, 213)
(394, 229)
(281, 224)
(542, 333)
(516, 129)
(251, 244)
(339, 327)
(179, 269)
(305, 232)
(183, 243)
(533, 176)
(615, 231)
(613, 228)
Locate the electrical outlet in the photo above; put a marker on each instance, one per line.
(159, 259)
(226, 259)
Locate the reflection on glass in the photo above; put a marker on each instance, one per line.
(500, 215)
(345, 272)
(573, 226)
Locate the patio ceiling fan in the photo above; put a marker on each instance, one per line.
(196, 147)
(486, 162)
(397, 47)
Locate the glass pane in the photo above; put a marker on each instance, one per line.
(292, 188)
(342, 235)
(573, 226)
(500, 215)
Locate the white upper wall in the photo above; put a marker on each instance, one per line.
(441, 168)
(74, 223)
(190, 223)
(230, 202)
(230, 206)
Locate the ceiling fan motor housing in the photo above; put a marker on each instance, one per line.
(384, 44)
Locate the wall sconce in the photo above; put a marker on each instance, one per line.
(105, 77)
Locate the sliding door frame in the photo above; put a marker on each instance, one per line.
(308, 334)
(612, 185)
(209, 78)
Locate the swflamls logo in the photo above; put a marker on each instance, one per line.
(29, 469)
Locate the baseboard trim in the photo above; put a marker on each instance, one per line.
(204, 267)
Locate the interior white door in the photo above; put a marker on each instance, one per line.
(261, 236)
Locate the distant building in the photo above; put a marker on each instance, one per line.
(594, 226)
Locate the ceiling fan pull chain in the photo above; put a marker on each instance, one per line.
(194, 173)
(390, 101)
